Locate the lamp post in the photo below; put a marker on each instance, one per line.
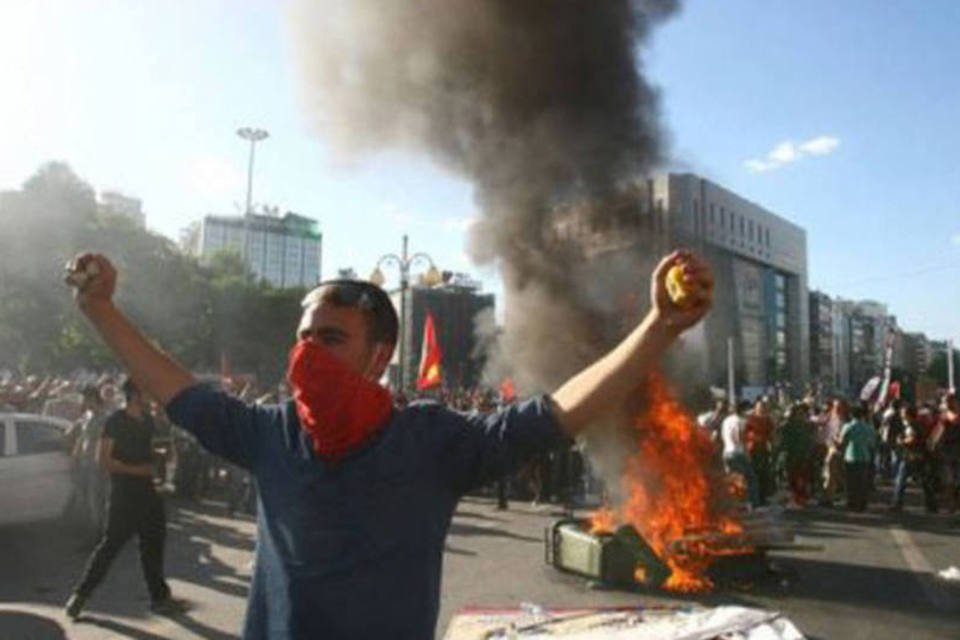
(253, 136)
(404, 262)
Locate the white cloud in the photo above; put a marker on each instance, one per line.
(956, 239)
(758, 166)
(783, 153)
(787, 152)
(820, 146)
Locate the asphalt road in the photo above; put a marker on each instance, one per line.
(872, 580)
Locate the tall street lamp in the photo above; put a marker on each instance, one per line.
(404, 262)
(253, 136)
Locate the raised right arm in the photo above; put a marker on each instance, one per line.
(156, 373)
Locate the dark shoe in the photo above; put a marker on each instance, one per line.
(169, 606)
(75, 606)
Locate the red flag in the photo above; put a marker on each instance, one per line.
(507, 391)
(430, 374)
(894, 391)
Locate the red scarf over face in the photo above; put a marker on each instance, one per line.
(338, 408)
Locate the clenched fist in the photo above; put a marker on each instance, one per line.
(93, 279)
(692, 283)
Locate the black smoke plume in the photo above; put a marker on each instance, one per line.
(540, 103)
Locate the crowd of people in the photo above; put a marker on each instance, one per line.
(810, 452)
(813, 452)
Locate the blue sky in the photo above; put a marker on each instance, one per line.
(848, 109)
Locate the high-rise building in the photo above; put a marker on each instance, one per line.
(822, 360)
(866, 327)
(284, 251)
(456, 306)
(840, 325)
(759, 261)
(917, 353)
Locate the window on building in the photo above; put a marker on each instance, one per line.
(711, 215)
(750, 227)
(723, 217)
(766, 233)
(742, 233)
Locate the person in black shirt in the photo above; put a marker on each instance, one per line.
(134, 507)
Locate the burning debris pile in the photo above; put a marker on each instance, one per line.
(674, 495)
(676, 515)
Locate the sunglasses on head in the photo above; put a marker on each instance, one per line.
(354, 292)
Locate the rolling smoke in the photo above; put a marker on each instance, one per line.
(539, 103)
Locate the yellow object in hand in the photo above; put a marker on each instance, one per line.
(676, 288)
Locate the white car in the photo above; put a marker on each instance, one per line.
(39, 479)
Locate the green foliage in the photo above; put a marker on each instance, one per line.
(196, 313)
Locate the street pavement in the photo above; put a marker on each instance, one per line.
(873, 579)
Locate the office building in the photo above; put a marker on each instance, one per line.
(285, 251)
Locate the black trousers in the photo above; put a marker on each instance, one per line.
(858, 484)
(134, 508)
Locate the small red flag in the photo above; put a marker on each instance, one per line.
(894, 391)
(507, 391)
(430, 374)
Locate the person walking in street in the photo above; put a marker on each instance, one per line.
(945, 441)
(89, 476)
(891, 434)
(759, 447)
(355, 498)
(913, 461)
(796, 447)
(858, 446)
(733, 433)
(134, 508)
(833, 460)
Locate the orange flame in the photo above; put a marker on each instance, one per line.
(603, 520)
(673, 489)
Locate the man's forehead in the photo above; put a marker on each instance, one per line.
(327, 313)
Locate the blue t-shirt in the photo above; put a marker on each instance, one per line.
(354, 549)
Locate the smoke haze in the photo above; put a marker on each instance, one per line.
(540, 105)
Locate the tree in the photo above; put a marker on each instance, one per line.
(194, 312)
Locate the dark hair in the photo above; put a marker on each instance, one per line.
(91, 392)
(859, 411)
(129, 389)
(371, 300)
(743, 406)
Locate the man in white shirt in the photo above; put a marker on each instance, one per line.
(735, 460)
(833, 464)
